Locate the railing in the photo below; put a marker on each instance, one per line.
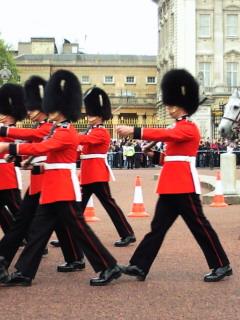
(131, 100)
(205, 159)
(82, 124)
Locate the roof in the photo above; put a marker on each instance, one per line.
(89, 58)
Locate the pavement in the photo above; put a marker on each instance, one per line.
(173, 290)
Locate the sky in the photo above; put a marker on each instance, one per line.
(99, 26)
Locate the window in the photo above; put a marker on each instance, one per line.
(108, 79)
(232, 73)
(85, 79)
(151, 80)
(127, 93)
(204, 69)
(232, 25)
(74, 49)
(130, 80)
(204, 25)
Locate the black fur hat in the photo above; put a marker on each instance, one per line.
(179, 88)
(33, 93)
(97, 103)
(63, 94)
(12, 101)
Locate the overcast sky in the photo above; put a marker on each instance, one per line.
(99, 26)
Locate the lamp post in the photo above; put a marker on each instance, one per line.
(5, 73)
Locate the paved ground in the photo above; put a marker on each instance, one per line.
(174, 289)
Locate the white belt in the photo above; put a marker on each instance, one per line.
(192, 161)
(101, 156)
(3, 161)
(19, 177)
(69, 166)
(38, 159)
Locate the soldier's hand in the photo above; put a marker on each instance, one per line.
(4, 147)
(26, 165)
(125, 131)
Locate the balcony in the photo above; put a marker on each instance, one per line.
(134, 101)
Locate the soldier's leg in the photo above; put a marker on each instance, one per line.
(165, 214)
(6, 219)
(203, 232)
(40, 231)
(103, 193)
(71, 249)
(13, 201)
(13, 239)
(99, 257)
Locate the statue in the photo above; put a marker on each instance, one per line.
(5, 73)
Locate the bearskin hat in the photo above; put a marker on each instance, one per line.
(33, 93)
(12, 101)
(179, 88)
(97, 103)
(63, 94)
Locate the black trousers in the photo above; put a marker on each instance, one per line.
(12, 240)
(103, 193)
(168, 208)
(130, 162)
(42, 226)
(10, 200)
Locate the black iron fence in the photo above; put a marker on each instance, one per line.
(205, 159)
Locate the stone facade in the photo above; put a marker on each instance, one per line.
(130, 80)
(203, 37)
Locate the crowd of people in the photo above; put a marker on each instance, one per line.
(129, 153)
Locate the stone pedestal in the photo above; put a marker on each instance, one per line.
(228, 173)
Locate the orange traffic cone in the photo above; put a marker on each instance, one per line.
(89, 212)
(138, 209)
(218, 199)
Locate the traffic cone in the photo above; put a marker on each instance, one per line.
(89, 212)
(218, 199)
(138, 210)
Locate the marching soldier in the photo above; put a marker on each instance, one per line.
(179, 185)
(12, 109)
(95, 172)
(33, 92)
(62, 101)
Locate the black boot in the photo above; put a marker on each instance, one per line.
(18, 279)
(71, 266)
(218, 274)
(106, 276)
(123, 242)
(133, 270)
(55, 243)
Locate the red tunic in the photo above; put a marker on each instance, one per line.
(182, 139)
(8, 176)
(96, 141)
(36, 134)
(61, 148)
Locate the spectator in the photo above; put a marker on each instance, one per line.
(129, 153)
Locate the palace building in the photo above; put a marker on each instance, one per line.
(130, 80)
(203, 37)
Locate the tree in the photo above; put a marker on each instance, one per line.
(7, 60)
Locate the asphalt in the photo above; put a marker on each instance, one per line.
(173, 290)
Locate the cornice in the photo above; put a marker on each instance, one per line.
(232, 52)
(231, 8)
